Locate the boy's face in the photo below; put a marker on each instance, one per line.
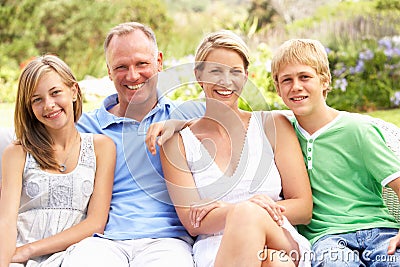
(300, 88)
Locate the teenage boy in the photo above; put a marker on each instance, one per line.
(348, 163)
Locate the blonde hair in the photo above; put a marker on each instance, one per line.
(221, 39)
(302, 51)
(30, 132)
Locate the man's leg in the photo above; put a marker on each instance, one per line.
(96, 251)
(166, 252)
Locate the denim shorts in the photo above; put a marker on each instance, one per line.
(361, 248)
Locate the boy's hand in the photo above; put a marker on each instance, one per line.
(393, 244)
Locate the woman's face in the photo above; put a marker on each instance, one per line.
(223, 75)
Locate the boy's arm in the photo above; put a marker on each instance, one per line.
(165, 130)
(395, 241)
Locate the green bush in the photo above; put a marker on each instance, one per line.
(8, 82)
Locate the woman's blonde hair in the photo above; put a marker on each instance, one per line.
(302, 51)
(221, 39)
(30, 132)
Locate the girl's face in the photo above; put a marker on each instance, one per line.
(52, 101)
(223, 75)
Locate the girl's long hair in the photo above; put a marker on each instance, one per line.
(29, 131)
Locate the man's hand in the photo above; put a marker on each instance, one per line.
(164, 130)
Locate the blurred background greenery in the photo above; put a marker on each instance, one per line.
(362, 39)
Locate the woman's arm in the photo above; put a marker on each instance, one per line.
(395, 241)
(290, 163)
(98, 207)
(184, 194)
(13, 161)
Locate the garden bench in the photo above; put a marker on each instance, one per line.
(390, 131)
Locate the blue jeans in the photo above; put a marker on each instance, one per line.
(361, 248)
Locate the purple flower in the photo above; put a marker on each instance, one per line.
(385, 43)
(395, 99)
(366, 55)
(341, 84)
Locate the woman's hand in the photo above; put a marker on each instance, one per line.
(274, 209)
(22, 254)
(199, 210)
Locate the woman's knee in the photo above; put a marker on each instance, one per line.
(246, 213)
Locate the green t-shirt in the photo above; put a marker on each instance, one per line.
(348, 162)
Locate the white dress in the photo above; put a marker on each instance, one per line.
(256, 173)
(51, 203)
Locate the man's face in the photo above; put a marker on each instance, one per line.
(133, 64)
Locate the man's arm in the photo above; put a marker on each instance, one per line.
(165, 130)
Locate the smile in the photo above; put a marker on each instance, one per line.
(224, 92)
(298, 98)
(135, 87)
(54, 114)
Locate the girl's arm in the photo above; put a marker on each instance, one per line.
(184, 194)
(290, 163)
(98, 206)
(13, 161)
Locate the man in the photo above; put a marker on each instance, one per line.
(143, 228)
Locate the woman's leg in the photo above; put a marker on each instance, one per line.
(252, 238)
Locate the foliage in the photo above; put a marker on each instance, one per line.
(367, 78)
(72, 29)
(388, 4)
(8, 85)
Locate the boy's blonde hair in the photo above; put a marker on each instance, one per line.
(221, 39)
(302, 51)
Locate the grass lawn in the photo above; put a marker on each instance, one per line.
(7, 112)
(392, 115)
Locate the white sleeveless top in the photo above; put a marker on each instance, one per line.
(256, 172)
(50, 202)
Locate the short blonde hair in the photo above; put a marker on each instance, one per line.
(303, 51)
(127, 28)
(221, 39)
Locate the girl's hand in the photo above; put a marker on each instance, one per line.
(275, 210)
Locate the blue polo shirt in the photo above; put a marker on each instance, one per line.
(140, 204)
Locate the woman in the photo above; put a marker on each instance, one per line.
(57, 182)
(237, 178)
